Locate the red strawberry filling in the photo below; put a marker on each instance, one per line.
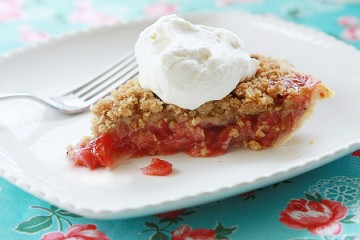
(168, 137)
(109, 148)
(157, 167)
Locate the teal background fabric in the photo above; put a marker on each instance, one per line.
(331, 192)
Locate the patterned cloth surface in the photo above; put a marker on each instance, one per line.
(321, 204)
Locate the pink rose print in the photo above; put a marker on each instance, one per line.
(352, 28)
(10, 10)
(225, 3)
(320, 216)
(184, 232)
(248, 195)
(348, 21)
(160, 9)
(29, 35)
(162, 229)
(172, 214)
(356, 153)
(351, 33)
(85, 13)
(77, 231)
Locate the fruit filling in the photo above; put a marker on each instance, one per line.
(261, 112)
(164, 138)
(157, 167)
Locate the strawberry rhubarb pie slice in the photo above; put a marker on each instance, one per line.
(263, 107)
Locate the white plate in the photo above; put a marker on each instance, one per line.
(33, 139)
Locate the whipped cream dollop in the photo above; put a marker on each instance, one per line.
(188, 65)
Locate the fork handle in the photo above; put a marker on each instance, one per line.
(49, 102)
(6, 96)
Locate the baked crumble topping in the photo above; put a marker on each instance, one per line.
(137, 107)
(262, 111)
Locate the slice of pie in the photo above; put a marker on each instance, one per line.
(260, 112)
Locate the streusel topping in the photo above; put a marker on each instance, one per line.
(137, 107)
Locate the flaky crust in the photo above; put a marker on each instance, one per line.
(137, 107)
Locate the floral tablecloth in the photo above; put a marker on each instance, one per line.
(321, 204)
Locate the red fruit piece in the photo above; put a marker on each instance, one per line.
(93, 154)
(157, 167)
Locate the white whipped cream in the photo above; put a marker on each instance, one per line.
(188, 65)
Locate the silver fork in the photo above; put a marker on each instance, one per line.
(79, 99)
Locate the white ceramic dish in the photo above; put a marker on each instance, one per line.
(33, 139)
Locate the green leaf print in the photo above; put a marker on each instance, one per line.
(348, 219)
(35, 224)
(351, 237)
(159, 236)
(38, 223)
(53, 208)
(187, 213)
(67, 214)
(275, 185)
(316, 198)
(164, 220)
(151, 225)
(222, 232)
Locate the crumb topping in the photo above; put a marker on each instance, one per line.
(136, 107)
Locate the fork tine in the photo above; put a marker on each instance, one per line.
(79, 99)
(106, 82)
(103, 74)
(105, 77)
(104, 92)
(121, 69)
(113, 83)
